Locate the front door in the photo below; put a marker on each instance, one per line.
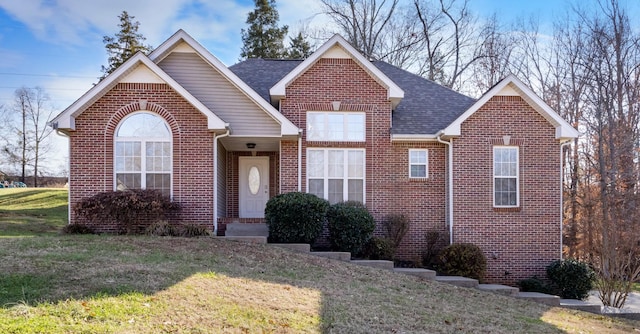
(253, 186)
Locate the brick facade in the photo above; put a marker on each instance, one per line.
(519, 242)
(388, 188)
(91, 147)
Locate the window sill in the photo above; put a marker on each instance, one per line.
(509, 209)
(418, 179)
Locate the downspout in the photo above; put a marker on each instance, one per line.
(215, 179)
(450, 172)
(300, 160)
(562, 146)
(62, 134)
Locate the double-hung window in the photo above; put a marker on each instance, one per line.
(336, 174)
(335, 126)
(506, 176)
(418, 164)
(143, 153)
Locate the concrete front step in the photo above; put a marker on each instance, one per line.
(419, 272)
(500, 289)
(302, 248)
(247, 230)
(254, 239)
(580, 305)
(538, 297)
(458, 281)
(342, 256)
(382, 264)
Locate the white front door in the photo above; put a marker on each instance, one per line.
(253, 186)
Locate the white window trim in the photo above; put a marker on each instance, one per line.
(346, 178)
(325, 115)
(143, 141)
(426, 164)
(517, 176)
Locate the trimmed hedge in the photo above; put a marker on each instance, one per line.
(295, 217)
(350, 226)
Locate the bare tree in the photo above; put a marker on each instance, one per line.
(25, 143)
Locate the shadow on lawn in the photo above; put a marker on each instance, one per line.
(352, 297)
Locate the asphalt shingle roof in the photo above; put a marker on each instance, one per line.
(426, 108)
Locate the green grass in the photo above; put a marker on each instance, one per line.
(31, 212)
(52, 283)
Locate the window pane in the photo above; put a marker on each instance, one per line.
(356, 164)
(356, 191)
(336, 191)
(315, 126)
(315, 163)
(160, 182)
(418, 171)
(506, 191)
(418, 157)
(336, 163)
(126, 181)
(335, 127)
(316, 187)
(355, 127)
(143, 125)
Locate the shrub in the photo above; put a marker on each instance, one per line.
(350, 226)
(130, 211)
(161, 228)
(193, 230)
(378, 249)
(572, 278)
(77, 229)
(396, 226)
(435, 241)
(534, 284)
(295, 217)
(463, 260)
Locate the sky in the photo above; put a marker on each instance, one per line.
(57, 44)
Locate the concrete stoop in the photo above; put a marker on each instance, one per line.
(301, 248)
(342, 256)
(580, 305)
(247, 230)
(499, 289)
(381, 264)
(460, 281)
(538, 297)
(419, 272)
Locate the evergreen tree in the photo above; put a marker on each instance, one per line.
(124, 44)
(299, 48)
(263, 39)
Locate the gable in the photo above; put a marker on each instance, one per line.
(337, 48)
(218, 94)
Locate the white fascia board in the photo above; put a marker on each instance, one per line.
(564, 130)
(66, 120)
(394, 92)
(413, 138)
(287, 128)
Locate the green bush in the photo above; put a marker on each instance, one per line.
(131, 211)
(295, 217)
(463, 260)
(378, 249)
(350, 226)
(77, 229)
(534, 284)
(572, 279)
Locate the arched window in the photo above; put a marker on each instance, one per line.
(143, 153)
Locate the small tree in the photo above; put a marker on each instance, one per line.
(124, 44)
(299, 48)
(263, 38)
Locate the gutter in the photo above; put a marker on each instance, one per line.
(562, 146)
(215, 178)
(450, 181)
(62, 134)
(300, 160)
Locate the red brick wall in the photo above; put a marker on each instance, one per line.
(388, 188)
(518, 243)
(91, 151)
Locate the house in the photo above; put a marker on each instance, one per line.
(223, 140)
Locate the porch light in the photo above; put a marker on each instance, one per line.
(251, 146)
